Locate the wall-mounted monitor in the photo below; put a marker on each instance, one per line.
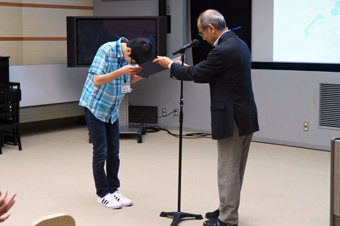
(86, 34)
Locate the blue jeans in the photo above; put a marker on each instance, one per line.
(105, 140)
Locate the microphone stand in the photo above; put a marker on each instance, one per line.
(177, 216)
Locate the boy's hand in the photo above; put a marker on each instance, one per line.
(131, 70)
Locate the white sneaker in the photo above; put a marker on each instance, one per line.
(122, 199)
(109, 201)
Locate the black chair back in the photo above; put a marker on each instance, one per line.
(10, 96)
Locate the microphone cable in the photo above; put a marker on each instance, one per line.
(153, 129)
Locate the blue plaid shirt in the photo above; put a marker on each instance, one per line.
(104, 101)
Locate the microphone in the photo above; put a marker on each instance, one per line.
(193, 43)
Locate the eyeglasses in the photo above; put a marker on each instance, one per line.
(200, 33)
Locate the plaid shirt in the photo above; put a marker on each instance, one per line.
(104, 101)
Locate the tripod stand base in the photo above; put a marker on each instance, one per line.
(179, 215)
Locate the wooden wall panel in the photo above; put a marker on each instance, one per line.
(10, 21)
(11, 1)
(44, 52)
(34, 31)
(39, 22)
(12, 48)
(60, 2)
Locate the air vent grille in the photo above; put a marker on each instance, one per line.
(329, 105)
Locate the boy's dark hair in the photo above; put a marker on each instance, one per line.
(141, 50)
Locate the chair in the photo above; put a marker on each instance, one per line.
(59, 219)
(9, 114)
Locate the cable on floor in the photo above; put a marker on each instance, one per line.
(153, 129)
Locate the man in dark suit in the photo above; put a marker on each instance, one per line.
(233, 109)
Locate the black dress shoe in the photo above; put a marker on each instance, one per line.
(212, 215)
(217, 222)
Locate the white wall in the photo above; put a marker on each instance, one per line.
(48, 84)
(287, 99)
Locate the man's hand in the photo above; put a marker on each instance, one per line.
(166, 61)
(6, 205)
(163, 61)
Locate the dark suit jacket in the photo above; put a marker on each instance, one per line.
(228, 71)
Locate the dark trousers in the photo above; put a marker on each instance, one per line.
(105, 140)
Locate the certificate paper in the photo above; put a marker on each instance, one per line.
(150, 68)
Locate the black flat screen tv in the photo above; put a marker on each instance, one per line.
(86, 34)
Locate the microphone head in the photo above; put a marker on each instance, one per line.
(195, 43)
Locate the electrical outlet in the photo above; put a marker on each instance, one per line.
(176, 112)
(163, 112)
(305, 126)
